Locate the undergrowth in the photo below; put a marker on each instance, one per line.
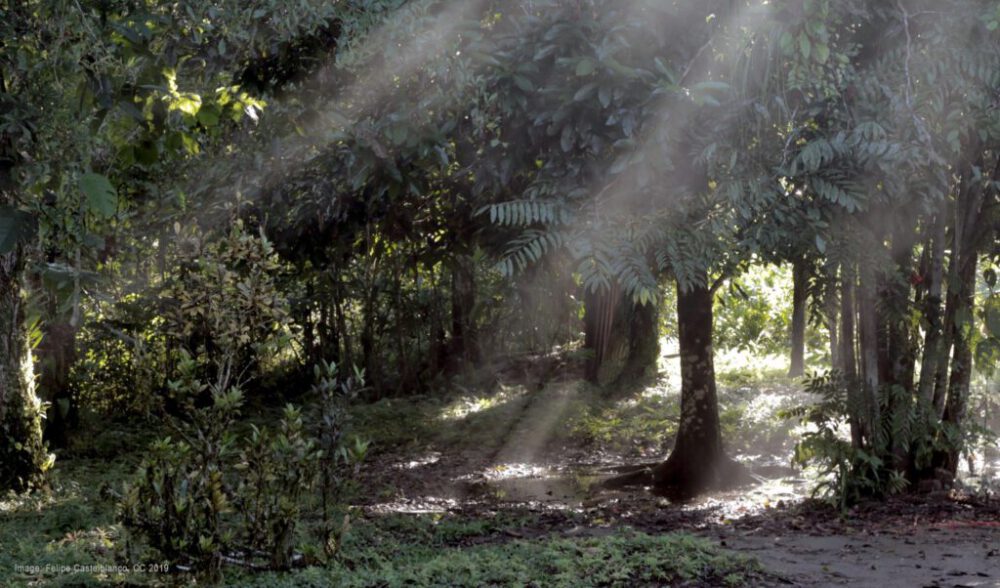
(625, 559)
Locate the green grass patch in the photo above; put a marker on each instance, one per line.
(47, 538)
(627, 558)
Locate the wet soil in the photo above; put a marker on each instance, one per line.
(944, 539)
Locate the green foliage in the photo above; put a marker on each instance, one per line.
(626, 558)
(212, 496)
(340, 458)
(119, 369)
(278, 469)
(179, 495)
(15, 226)
(68, 526)
(641, 426)
(850, 473)
(755, 314)
(225, 305)
(854, 471)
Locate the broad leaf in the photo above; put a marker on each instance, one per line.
(15, 225)
(101, 195)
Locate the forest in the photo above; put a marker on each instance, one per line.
(383, 293)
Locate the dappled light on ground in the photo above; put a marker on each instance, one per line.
(548, 449)
(470, 405)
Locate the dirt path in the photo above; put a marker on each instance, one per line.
(923, 557)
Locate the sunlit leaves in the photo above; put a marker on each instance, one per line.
(524, 212)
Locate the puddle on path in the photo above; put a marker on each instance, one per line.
(569, 486)
(521, 483)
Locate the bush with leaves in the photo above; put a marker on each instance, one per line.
(340, 460)
(225, 306)
(899, 450)
(278, 469)
(849, 471)
(179, 497)
(211, 497)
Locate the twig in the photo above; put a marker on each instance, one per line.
(690, 65)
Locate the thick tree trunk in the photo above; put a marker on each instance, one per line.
(697, 461)
(622, 338)
(22, 452)
(800, 286)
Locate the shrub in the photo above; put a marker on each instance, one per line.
(210, 497)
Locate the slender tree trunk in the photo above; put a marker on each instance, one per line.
(56, 355)
(899, 362)
(868, 335)
(848, 356)
(464, 338)
(934, 337)
(897, 293)
(945, 344)
(368, 341)
(22, 452)
(341, 344)
(697, 461)
(961, 361)
(800, 285)
(309, 327)
(830, 303)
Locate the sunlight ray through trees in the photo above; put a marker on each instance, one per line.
(312, 283)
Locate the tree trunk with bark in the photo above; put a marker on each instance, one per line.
(464, 338)
(56, 354)
(961, 360)
(971, 234)
(643, 343)
(830, 304)
(800, 286)
(600, 329)
(898, 296)
(22, 451)
(868, 336)
(932, 281)
(848, 355)
(621, 336)
(697, 461)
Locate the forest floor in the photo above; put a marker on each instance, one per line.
(537, 453)
(496, 483)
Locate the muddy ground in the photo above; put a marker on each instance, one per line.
(947, 539)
